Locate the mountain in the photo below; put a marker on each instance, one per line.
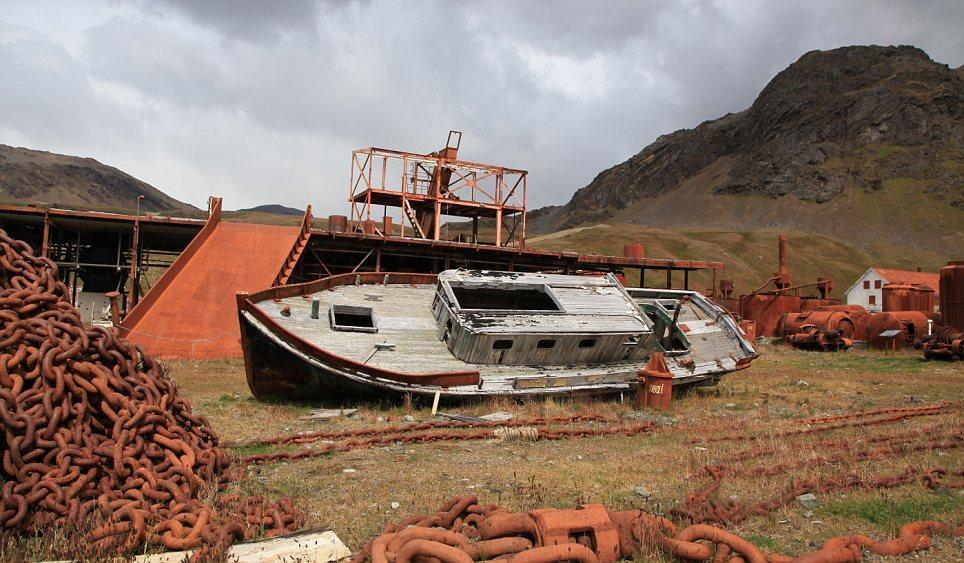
(862, 144)
(69, 181)
(273, 208)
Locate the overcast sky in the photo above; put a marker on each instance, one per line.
(262, 101)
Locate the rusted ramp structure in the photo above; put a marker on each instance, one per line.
(190, 313)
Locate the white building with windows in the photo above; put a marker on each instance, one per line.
(867, 291)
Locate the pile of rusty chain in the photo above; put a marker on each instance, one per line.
(415, 434)
(96, 436)
(464, 531)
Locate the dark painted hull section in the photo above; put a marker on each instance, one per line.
(278, 373)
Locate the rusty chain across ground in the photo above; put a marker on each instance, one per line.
(385, 436)
(310, 437)
(838, 422)
(96, 435)
(464, 531)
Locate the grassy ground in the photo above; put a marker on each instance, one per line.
(781, 386)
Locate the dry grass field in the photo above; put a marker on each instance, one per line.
(353, 492)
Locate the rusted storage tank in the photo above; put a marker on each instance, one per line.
(922, 298)
(897, 297)
(827, 321)
(952, 294)
(767, 309)
(337, 223)
(909, 324)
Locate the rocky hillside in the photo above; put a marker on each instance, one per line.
(865, 144)
(70, 181)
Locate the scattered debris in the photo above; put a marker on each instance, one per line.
(408, 418)
(809, 501)
(326, 414)
(317, 546)
(396, 505)
(498, 416)
(642, 491)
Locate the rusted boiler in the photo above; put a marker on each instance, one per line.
(818, 330)
(859, 316)
(910, 326)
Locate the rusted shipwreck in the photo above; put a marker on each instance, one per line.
(473, 333)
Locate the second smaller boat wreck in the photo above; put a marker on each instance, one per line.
(472, 333)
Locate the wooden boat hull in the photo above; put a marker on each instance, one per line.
(281, 364)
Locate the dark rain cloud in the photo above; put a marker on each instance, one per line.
(261, 102)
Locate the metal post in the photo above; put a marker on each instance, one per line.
(669, 279)
(46, 235)
(135, 241)
(642, 277)
(686, 279)
(498, 226)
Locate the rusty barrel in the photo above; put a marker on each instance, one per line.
(634, 250)
(337, 223)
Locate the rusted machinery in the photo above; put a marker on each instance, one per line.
(948, 342)
(897, 329)
(829, 330)
(945, 344)
(766, 307)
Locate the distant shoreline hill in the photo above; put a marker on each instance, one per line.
(43, 178)
(32, 176)
(862, 144)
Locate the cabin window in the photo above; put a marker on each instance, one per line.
(354, 319)
(505, 299)
(546, 344)
(866, 284)
(872, 300)
(502, 345)
(876, 284)
(587, 342)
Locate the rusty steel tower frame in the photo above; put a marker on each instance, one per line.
(427, 187)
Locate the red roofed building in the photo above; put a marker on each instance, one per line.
(867, 290)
